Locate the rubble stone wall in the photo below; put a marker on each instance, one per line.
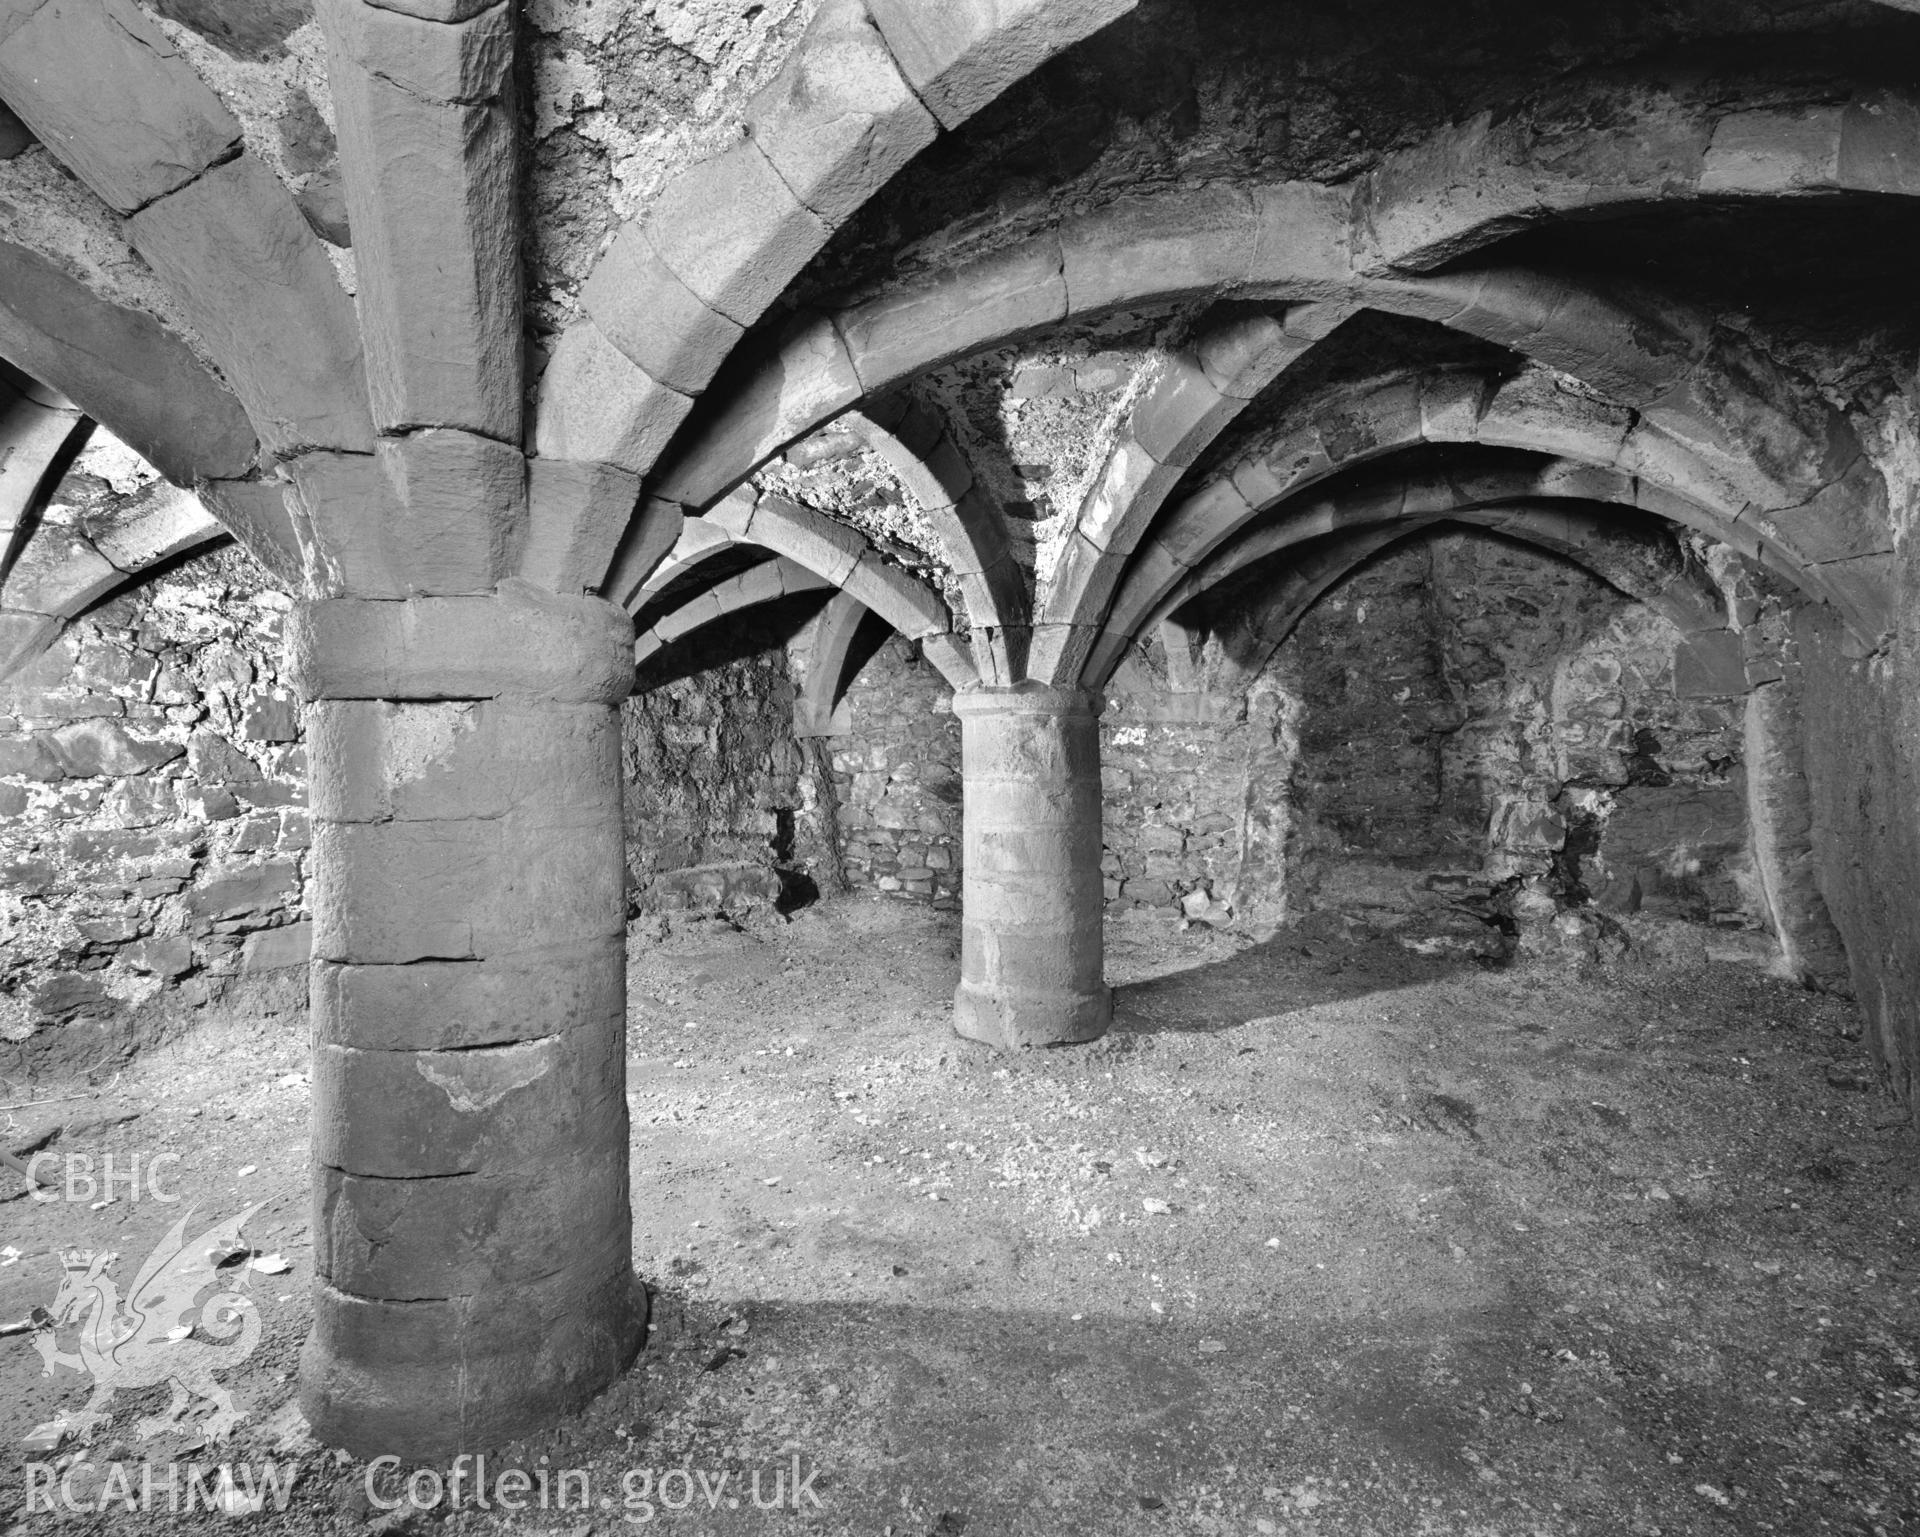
(153, 823)
(1458, 714)
(714, 797)
(1461, 715)
(1467, 705)
(896, 778)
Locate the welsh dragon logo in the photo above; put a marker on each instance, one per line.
(150, 1338)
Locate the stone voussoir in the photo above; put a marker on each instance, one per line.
(461, 517)
(807, 379)
(577, 514)
(923, 324)
(244, 264)
(124, 369)
(102, 87)
(1184, 245)
(655, 531)
(961, 54)
(428, 143)
(654, 318)
(733, 232)
(597, 405)
(839, 120)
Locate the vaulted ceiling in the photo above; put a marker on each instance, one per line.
(1025, 325)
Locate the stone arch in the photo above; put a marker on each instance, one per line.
(840, 557)
(699, 541)
(62, 572)
(1201, 390)
(835, 637)
(765, 583)
(969, 523)
(869, 86)
(127, 114)
(122, 368)
(50, 575)
(1280, 241)
(1781, 447)
(39, 432)
(1479, 181)
(1625, 558)
(1561, 484)
(1529, 410)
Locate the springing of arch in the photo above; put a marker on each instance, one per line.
(1770, 451)
(968, 522)
(869, 86)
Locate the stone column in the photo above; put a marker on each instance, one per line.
(471, 1224)
(1032, 949)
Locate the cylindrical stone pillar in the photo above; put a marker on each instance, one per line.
(471, 1225)
(1032, 950)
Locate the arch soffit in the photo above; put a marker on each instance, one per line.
(1541, 493)
(1605, 453)
(1333, 558)
(1289, 242)
(1624, 558)
(838, 556)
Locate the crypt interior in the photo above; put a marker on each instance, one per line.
(1039, 568)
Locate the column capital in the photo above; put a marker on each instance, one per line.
(1028, 698)
(517, 642)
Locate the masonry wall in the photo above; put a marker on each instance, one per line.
(1463, 724)
(1467, 705)
(153, 824)
(896, 781)
(1457, 716)
(717, 814)
(1175, 775)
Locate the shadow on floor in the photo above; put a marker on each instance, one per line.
(1277, 976)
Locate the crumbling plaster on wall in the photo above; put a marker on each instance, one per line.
(1035, 420)
(832, 472)
(623, 95)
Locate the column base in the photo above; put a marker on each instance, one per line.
(427, 1381)
(1012, 1019)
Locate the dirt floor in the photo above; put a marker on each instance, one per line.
(1327, 1237)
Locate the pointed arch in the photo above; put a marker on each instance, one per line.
(765, 583)
(969, 523)
(871, 83)
(841, 556)
(1529, 410)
